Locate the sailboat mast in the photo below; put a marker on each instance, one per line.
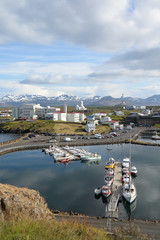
(130, 162)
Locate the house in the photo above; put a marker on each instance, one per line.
(119, 113)
(90, 127)
(99, 115)
(75, 117)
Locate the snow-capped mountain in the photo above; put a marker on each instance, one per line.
(13, 100)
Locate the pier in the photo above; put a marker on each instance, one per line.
(111, 209)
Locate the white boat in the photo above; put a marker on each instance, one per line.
(108, 180)
(93, 156)
(125, 162)
(125, 178)
(125, 171)
(129, 191)
(110, 172)
(106, 191)
(97, 191)
(156, 137)
(134, 171)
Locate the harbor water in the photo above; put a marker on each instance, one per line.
(8, 136)
(71, 187)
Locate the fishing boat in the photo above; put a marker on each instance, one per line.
(129, 191)
(92, 156)
(109, 165)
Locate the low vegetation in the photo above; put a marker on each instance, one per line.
(44, 229)
(48, 126)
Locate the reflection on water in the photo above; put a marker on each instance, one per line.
(90, 162)
(71, 187)
(130, 208)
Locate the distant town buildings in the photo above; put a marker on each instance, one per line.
(35, 111)
(5, 113)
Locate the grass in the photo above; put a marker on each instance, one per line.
(156, 126)
(27, 229)
(48, 126)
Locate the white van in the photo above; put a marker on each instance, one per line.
(67, 139)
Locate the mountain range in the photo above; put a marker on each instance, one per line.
(12, 100)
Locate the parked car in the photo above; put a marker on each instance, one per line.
(67, 139)
(52, 140)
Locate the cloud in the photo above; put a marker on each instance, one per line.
(104, 26)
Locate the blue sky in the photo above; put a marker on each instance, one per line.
(83, 48)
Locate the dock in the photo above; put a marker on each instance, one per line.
(111, 209)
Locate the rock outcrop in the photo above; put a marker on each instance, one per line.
(22, 202)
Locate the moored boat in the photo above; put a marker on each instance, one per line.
(108, 180)
(106, 191)
(125, 171)
(109, 165)
(134, 171)
(92, 156)
(156, 137)
(97, 191)
(125, 162)
(129, 191)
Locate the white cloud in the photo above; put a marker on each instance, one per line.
(101, 25)
(128, 30)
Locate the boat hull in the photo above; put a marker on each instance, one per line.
(129, 195)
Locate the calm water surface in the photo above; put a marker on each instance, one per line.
(8, 136)
(71, 187)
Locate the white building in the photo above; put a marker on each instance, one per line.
(52, 116)
(90, 127)
(75, 117)
(32, 111)
(62, 116)
(105, 120)
(99, 115)
(81, 107)
(119, 113)
(91, 119)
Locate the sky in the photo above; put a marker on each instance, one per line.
(82, 48)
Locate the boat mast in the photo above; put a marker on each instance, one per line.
(130, 163)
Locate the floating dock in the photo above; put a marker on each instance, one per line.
(111, 209)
